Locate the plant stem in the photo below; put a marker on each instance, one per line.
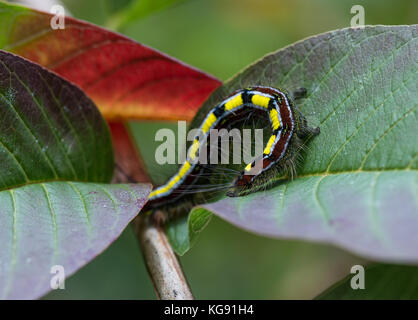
(161, 261)
(163, 266)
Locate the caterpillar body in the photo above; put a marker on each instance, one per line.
(289, 132)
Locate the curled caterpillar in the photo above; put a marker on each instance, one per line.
(289, 133)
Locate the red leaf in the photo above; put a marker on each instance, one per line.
(125, 79)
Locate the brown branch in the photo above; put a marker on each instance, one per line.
(162, 263)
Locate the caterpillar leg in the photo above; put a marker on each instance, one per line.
(307, 132)
(299, 93)
(304, 131)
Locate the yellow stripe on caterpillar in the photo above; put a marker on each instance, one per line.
(184, 169)
(274, 119)
(210, 120)
(173, 181)
(248, 167)
(261, 101)
(193, 149)
(269, 144)
(153, 193)
(234, 102)
(159, 191)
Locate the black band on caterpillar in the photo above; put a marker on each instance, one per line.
(285, 121)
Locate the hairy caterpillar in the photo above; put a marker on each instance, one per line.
(289, 132)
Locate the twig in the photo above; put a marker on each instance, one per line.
(162, 263)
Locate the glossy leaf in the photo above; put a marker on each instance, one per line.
(357, 184)
(51, 131)
(125, 79)
(381, 282)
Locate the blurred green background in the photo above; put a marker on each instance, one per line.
(222, 37)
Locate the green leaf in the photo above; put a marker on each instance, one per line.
(49, 129)
(357, 183)
(178, 234)
(183, 231)
(53, 142)
(382, 282)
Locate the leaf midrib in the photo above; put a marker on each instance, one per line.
(357, 171)
(31, 182)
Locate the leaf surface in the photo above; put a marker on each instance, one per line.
(55, 154)
(63, 224)
(357, 183)
(49, 129)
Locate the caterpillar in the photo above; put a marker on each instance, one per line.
(289, 133)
